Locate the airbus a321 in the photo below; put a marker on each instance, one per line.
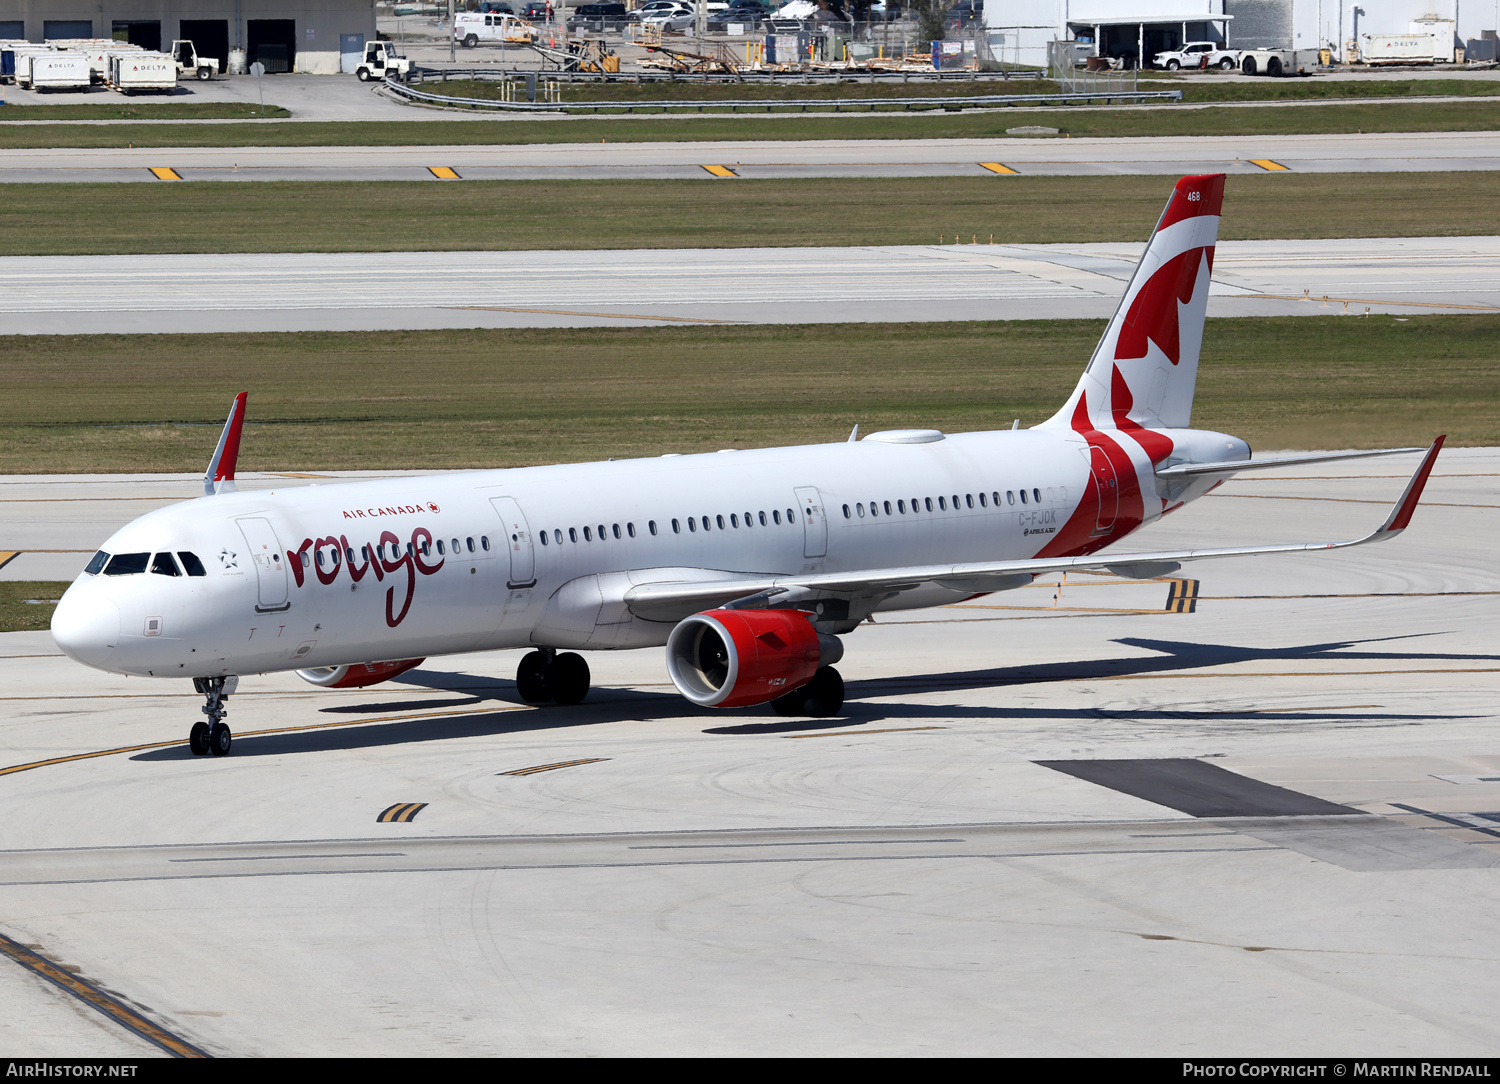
(748, 566)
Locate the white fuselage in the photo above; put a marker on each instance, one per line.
(456, 562)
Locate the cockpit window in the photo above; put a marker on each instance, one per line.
(191, 564)
(163, 565)
(126, 564)
(95, 566)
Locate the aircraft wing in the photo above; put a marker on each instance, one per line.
(1194, 470)
(673, 601)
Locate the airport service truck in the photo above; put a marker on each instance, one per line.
(190, 65)
(381, 62)
(1276, 62)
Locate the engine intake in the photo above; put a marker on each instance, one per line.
(358, 675)
(737, 658)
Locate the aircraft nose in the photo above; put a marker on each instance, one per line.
(87, 627)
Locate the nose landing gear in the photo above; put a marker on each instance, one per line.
(213, 736)
(545, 675)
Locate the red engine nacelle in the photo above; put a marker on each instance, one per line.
(357, 676)
(736, 658)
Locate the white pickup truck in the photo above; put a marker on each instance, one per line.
(1192, 55)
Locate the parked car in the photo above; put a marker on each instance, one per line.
(670, 21)
(537, 11)
(965, 12)
(496, 7)
(598, 17)
(748, 16)
(653, 7)
(1192, 56)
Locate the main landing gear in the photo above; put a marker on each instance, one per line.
(820, 697)
(545, 675)
(212, 736)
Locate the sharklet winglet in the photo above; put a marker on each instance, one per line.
(219, 478)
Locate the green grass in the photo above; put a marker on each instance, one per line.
(138, 109)
(27, 605)
(41, 219)
(431, 400)
(1319, 119)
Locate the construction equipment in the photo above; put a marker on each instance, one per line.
(577, 54)
(721, 61)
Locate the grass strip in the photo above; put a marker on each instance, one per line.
(319, 216)
(27, 605)
(1396, 116)
(136, 110)
(491, 398)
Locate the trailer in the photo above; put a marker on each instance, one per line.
(133, 71)
(46, 69)
(1276, 62)
(98, 50)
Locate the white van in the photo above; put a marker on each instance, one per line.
(471, 28)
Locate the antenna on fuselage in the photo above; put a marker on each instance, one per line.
(219, 478)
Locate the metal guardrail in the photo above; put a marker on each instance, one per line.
(836, 104)
(433, 75)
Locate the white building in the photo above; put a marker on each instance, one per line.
(1021, 29)
(319, 36)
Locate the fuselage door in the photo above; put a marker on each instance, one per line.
(518, 540)
(270, 564)
(1108, 487)
(814, 523)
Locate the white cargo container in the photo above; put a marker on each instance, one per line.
(50, 70)
(130, 72)
(98, 50)
(1397, 48)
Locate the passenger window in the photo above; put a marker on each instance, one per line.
(762, 519)
(307, 561)
(995, 496)
(901, 507)
(470, 542)
(630, 529)
(1036, 495)
(720, 521)
(163, 565)
(734, 520)
(557, 537)
(191, 564)
(791, 517)
(969, 499)
(484, 541)
(544, 538)
(440, 547)
(676, 527)
(887, 507)
(588, 535)
(928, 501)
(1023, 496)
(318, 558)
(96, 563)
(692, 524)
(706, 524)
(874, 509)
(956, 505)
(1010, 496)
(748, 521)
(942, 504)
(616, 529)
(846, 511)
(602, 535)
(572, 534)
(775, 515)
(982, 503)
(126, 564)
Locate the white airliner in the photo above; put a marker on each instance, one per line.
(746, 565)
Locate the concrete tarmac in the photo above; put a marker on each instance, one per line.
(423, 290)
(930, 872)
(1156, 156)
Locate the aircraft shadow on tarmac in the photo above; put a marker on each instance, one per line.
(624, 705)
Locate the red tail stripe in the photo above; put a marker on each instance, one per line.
(231, 454)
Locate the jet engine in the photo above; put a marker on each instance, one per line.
(737, 658)
(357, 676)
